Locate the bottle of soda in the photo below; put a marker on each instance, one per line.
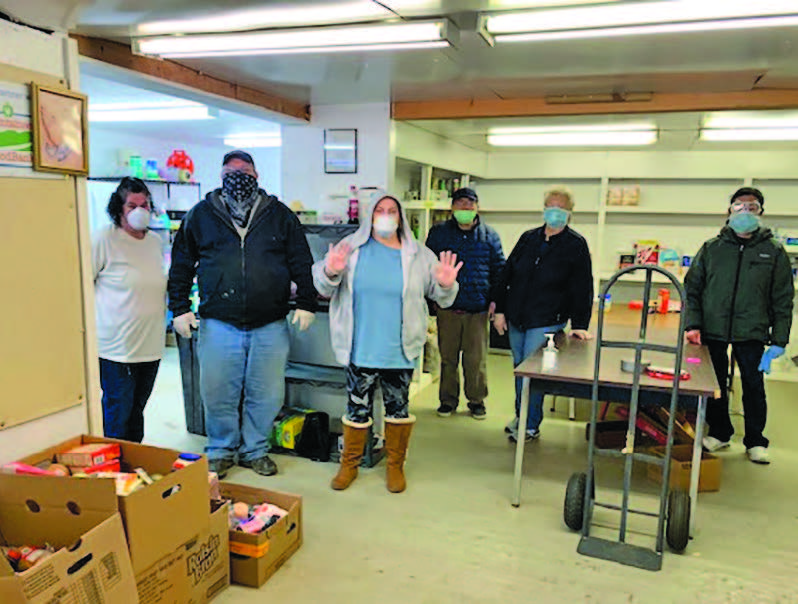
(354, 209)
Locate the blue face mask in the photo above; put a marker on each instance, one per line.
(744, 223)
(555, 217)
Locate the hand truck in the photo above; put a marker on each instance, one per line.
(673, 515)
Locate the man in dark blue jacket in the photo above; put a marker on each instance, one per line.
(245, 247)
(464, 326)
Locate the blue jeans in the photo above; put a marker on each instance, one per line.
(126, 388)
(523, 344)
(242, 382)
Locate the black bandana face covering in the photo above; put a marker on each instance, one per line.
(239, 191)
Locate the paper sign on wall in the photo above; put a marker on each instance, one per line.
(15, 127)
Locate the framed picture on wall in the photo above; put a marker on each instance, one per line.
(340, 151)
(60, 130)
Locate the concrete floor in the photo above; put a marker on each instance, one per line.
(453, 536)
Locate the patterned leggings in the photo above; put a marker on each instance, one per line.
(361, 384)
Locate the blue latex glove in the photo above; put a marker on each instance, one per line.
(772, 352)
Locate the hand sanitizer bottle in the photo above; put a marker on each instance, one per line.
(549, 354)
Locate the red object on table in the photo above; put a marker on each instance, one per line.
(666, 374)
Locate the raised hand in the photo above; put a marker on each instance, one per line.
(446, 273)
(337, 257)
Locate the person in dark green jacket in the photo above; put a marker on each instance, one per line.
(740, 293)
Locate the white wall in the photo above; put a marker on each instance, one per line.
(32, 50)
(303, 174)
(107, 148)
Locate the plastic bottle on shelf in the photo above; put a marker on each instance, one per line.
(354, 206)
(607, 302)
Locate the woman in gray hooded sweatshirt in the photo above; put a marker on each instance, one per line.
(377, 280)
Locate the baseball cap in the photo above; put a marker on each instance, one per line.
(238, 154)
(465, 193)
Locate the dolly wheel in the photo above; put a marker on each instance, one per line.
(574, 507)
(677, 530)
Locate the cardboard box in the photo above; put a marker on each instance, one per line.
(681, 466)
(85, 456)
(92, 564)
(194, 574)
(158, 518)
(277, 543)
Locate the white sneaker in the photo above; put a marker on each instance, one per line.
(512, 426)
(758, 455)
(529, 436)
(713, 444)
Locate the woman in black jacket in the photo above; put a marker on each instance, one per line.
(547, 281)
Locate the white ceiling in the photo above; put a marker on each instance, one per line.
(109, 86)
(715, 61)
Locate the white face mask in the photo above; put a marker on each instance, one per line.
(385, 225)
(139, 219)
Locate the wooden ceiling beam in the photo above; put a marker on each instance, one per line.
(121, 55)
(540, 106)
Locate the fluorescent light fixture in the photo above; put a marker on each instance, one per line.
(749, 134)
(751, 119)
(148, 112)
(733, 126)
(382, 36)
(673, 16)
(251, 141)
(612, 135)
(283, 16)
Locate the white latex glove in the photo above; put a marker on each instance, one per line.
(184, 323)
(304, 318)
(581, 334)
(499, 323)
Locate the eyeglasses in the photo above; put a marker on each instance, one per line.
(754, 207)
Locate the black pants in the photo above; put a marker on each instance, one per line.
(361, 384)
(748, 355)
(126, 388)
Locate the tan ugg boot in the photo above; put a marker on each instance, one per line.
(397, 437)
(355, 436)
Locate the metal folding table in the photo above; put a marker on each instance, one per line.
(573, 377)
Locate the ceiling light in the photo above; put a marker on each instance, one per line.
(390, 36)
(125, 112)
(751, 119)
(637, 19)
(749, 134)
(285, 16)
(251, 141)
(617, 135)
(732, 126)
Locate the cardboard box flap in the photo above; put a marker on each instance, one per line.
(35, 511)
(11, 590)
(96, 568)
(172, 509)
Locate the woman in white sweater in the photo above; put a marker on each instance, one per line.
(130, 297)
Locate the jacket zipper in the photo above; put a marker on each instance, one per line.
(734, 292)
(243, 281)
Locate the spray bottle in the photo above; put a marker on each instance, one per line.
(354, 206)
(549, 354)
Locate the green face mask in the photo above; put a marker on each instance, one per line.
(465, 216)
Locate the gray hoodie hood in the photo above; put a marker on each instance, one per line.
(362, 235)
